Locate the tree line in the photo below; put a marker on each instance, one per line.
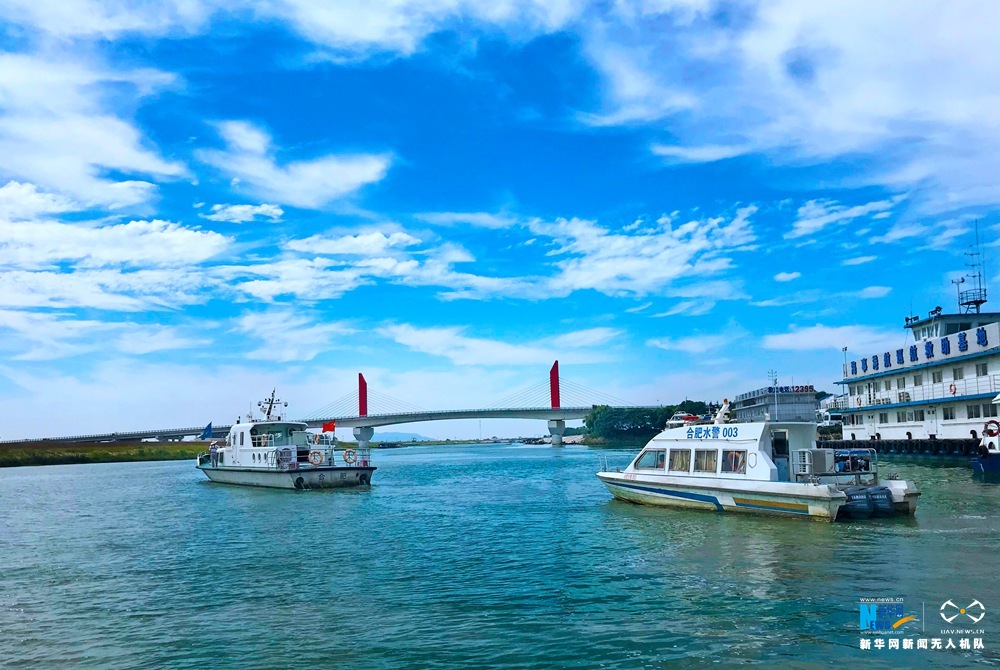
(622, 423)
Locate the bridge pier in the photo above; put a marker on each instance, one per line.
(363, 434)
(556, 429)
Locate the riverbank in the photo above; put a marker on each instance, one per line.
(66, 453)
(70, 453)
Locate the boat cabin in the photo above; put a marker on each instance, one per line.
(764, 451)
(268, 443)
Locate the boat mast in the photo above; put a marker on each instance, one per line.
(974, 298)
(267, 405)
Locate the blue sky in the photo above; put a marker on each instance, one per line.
(204, 199)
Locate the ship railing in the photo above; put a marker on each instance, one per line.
(938, 391)
(294, 458)
(852, 467)
(604, 464)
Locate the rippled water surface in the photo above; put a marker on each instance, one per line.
(464, 556)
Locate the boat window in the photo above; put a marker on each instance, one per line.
(706, 460)
(651, 460)
(734, 461)
(241, 439)
(680, 460)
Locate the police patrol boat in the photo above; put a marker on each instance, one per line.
(278, 453)
(759, 468)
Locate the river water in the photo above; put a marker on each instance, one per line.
(469, 556)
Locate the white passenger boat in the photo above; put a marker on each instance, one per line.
(276, 453)
(760, 468)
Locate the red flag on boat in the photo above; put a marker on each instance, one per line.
(329, 426)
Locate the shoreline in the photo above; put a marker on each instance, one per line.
(50, 452)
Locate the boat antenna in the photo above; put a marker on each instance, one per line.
(972, 299)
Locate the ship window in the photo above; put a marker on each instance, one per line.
(972, 411)
(888, 384)
(241, 439)
(958, 373)
(706, 460)
(883, 417)
(734, 461)
(680, 460)
(900, 417)
(876, 386)
(651, 460)
(948, 413)
(918, 380)
(901, 383)
(982, 369)
(989, 410)
(937, 376)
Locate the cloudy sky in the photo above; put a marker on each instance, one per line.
(204, 199)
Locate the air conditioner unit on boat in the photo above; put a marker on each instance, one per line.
(822, 460)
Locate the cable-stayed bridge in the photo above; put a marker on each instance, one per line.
(545, 401)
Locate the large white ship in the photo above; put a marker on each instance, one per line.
(938, 386)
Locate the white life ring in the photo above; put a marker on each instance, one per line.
(315, 457)
(952, 388)
(350, 456)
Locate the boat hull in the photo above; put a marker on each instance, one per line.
(312, 478)
(989, 464)
(808, 501)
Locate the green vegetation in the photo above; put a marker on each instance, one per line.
(606, 425)
(61, 453)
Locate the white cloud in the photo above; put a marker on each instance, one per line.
(400, 25)
(452, 343)
(288, 336)
(109, 289)
(244, 213)
(704, 154)
(874, 292)
(38, 244)
(818, 214)
(820, 337)
(689, 308)
(697, 344)
(38, 336)
(859, 260)
(363, 244)
(478, 219)
(803, 82)
(24, 201)
(58, 131)
(787, 276)
(660, 260)
(106, 18)
(310, 184)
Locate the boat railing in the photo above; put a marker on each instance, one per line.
(943, 390)
(852, 466)
(604, 464)
(289, 458)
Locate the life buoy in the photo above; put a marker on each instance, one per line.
(952, 388)
(315, 457)
(992, 428)
(350, 456)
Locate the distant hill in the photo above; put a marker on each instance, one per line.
(400, 437)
